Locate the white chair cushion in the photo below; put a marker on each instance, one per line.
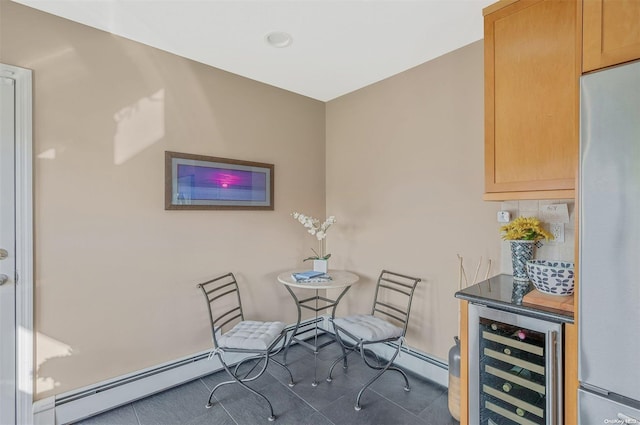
(251, 335)
(368, 328)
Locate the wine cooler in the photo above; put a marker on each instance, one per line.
(515, 368)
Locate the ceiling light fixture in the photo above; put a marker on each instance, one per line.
(279, 39)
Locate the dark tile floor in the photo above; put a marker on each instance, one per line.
(385, 403)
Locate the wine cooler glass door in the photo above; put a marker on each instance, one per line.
(514, 368)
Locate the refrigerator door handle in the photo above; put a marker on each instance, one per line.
(594, 389)
(628, 419)
(552, 377)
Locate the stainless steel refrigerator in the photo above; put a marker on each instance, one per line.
(609, 291)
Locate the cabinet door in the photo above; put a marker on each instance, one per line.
(570, 373)
(532, 66)
(611, 32)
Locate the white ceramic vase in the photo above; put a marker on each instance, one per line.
(320, 266)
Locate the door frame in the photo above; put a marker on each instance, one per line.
(25, 337)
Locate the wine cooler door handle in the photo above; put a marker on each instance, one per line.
(552, 377)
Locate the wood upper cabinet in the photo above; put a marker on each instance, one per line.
(611, 32)
(532, 69)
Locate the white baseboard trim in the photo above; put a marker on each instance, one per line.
(85, 402)
(77, 405)
(44, 411)
(92, 400)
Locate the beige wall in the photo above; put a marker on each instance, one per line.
(405, 177)
(115, 272)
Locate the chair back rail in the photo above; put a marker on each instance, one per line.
(217, 327)
(396, 289)
(386, 313)
(222, 292)
(395, 283)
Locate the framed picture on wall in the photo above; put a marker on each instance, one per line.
(197, 182)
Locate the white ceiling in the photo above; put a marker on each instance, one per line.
(338, 46)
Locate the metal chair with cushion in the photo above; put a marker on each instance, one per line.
(258, 340)
(387, 323)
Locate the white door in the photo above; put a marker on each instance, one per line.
(7, 253)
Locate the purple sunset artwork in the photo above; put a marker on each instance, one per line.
(199, 182)
(220, 184)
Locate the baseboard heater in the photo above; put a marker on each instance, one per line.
(61, 400)
(80, 404)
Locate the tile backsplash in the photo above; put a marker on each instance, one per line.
(550, 250)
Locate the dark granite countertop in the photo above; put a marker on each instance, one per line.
(504, 293)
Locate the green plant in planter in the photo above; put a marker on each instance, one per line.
(317, 256)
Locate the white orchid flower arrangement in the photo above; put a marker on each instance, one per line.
(318, 230)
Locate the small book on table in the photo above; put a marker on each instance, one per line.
(310, 276)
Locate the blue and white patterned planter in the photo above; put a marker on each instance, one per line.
(552, 277)
(521, 252)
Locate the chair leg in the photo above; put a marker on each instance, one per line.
(407, 387)
(271, 417)
(373, 353)
(243, 361)
(344, 347)
(381, 370)
(344, 358)
(377, 366)
(291, 383)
